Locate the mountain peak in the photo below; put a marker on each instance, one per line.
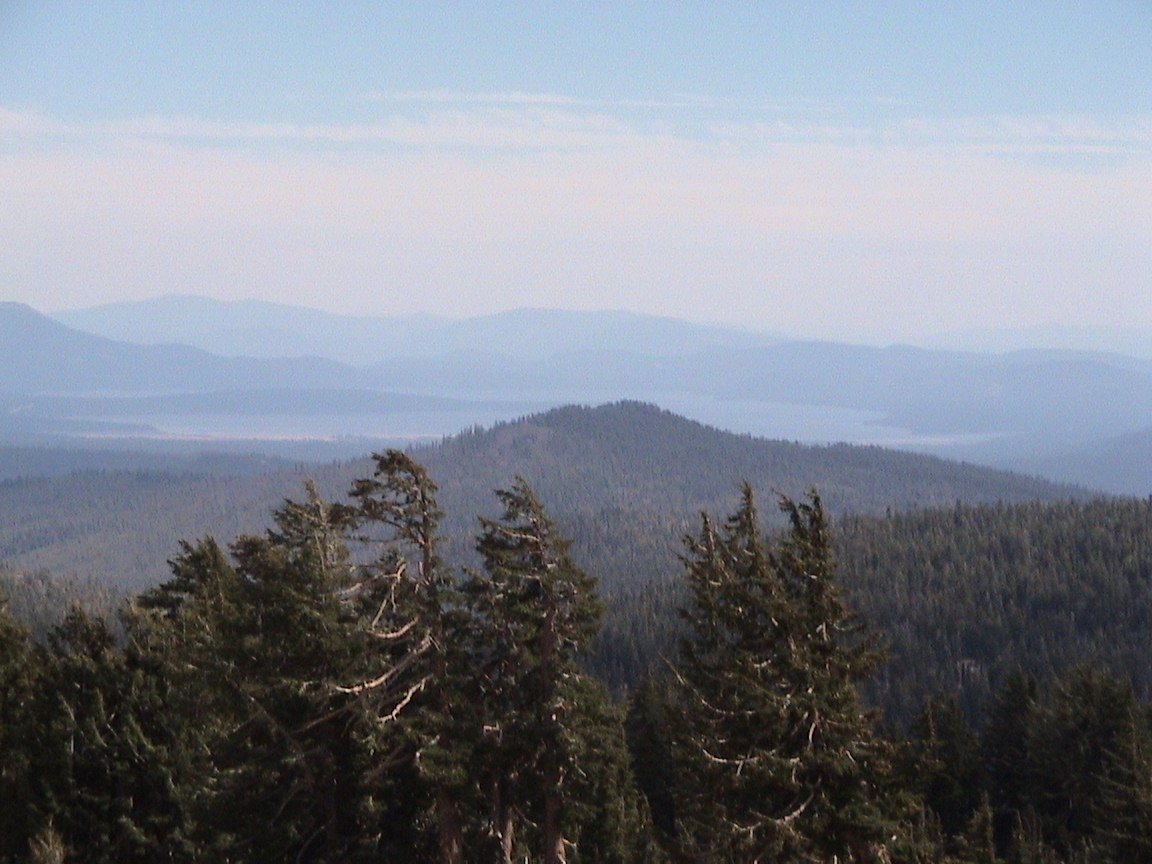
(23, 328)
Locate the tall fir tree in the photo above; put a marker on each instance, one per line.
(110, 764)
(1123, 809)
(944, 764)
(1083, 718)
(649, 733)
(263, 646)
(549, 732)
(1004, 750)
(779, 760)
(400, 498)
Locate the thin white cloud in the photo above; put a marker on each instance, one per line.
(1039, 133)
(532, 122)
(16, 125)
(480, 207)
(471, 98)
(530, 128)
(700, 101)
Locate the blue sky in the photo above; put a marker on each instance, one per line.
(861, 171)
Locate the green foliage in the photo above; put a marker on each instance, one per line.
(606, 819)
(944, 764)
(118, 526)
(107, 758)
(1080, 720)
(40, 600)
(648, 727)
(1122, 812)
(1063, 768)
(332, 689)
(18, 682)
(401, 497)
(779, 759)
(967, 595)
(346, 700)
(553, 752)
(257, 644)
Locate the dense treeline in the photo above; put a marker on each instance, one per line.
(32, 461)
(968, 595)
(963, 596)
(653, 468)
(117, 526)
(332, 689)
(39, 600)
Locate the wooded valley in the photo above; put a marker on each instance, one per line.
(956, 682)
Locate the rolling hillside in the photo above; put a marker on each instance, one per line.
(620, 476)
(963, 569)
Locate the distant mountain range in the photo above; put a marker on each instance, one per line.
(63, 386)
(1116, 340)
(39, 355)
(254, 328)
(191, 369)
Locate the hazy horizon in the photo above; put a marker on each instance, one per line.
(854, 172)
(1132, 341)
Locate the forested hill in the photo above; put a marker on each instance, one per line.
(637, 456)
(620, 476)
(966, 571)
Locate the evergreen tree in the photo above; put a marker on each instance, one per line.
(1082, 719)
(779, 760)
(401, 498)
(1123, 811)
(649, 732)
(977, 843)
(946, 767)
(17, 686)
(263, 646)
(606, 816)
(1004, 748)
(550, 738)
(109, 764)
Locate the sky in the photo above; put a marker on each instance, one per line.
(868, 172)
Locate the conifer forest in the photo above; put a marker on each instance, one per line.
(652, 432)
(338, 689)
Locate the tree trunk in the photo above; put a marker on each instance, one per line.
(502, 825)
(451, 834)
(507, 836)
(553, 831)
